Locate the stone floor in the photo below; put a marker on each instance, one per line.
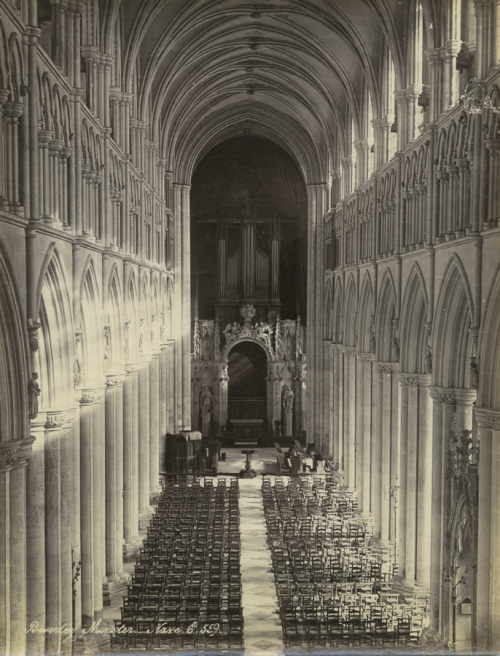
(262, 627)
(263, 634)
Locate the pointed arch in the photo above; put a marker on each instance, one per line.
(116, 320)
(4, 58)
(131, 319)
(338, 308)
(327, 323)
(489, 350)
(386, 314)
(452, 342)
(413, 320)
(56, 354)
(14, 356)
(350, 311)
(365, 314)
(92, 339)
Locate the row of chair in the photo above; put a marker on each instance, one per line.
(185, 593)
(334, 589)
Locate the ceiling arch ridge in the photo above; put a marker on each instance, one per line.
(200, 74)
(387, 24)
(292, 126)
(184, 58)
(278, 128)
(145, 15)
(108, 20)
(359, 48)
(172, 140)
(311, 108)
(170, 39)
(186, 89)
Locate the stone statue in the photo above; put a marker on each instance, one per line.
(372, 343)
(428, 360)
(277, 334)
(298, 338)
(33, 327)
(77, 370)
(288, 397)
(395, 349)
(33, 394)
(263, 333)
(206, 401)
(248, 313)
(232, 331)
(196, 338)
(474, 373)
(141, 336)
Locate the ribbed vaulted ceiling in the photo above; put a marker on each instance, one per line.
(289, 69)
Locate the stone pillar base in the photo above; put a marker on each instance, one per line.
(106, 597)
(288, 424)
(131, 549)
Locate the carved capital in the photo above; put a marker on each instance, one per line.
(55, 420)
(88, 397)
(8, 456)
(33, 327)
(488, 418)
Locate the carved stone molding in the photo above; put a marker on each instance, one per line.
(15, 454)
(488, 418)
(88, 397)
(132, 368)
(55, 420)
(412, 381)
(386, 368)
(8, 457)
(33, 327)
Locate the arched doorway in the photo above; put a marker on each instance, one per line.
(247, 389)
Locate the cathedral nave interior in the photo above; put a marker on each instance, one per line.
(265, 227)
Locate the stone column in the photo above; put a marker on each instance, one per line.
(385, 510)
(163, 363)
(76, 540)
(90, 569)
(395, 454)
(376, 474)
(328, 401)
(16, 533)
(99, 484)
(360, 413)
(35, 541)
(13, 455)
(438, 513)
(131, 459)
(114, 476)
(424, 486)
(351, 410)
(488, 558)
(154, 426)
(58, 561)
(341, 406)
(411, 481)
(336, 406)
(144, 438)
(170, 388)
(221, 381)
(403, 469)
(367, 436)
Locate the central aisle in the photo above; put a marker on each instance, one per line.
(262, 625)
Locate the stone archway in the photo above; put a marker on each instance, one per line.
(251, 408)
(247, 393)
